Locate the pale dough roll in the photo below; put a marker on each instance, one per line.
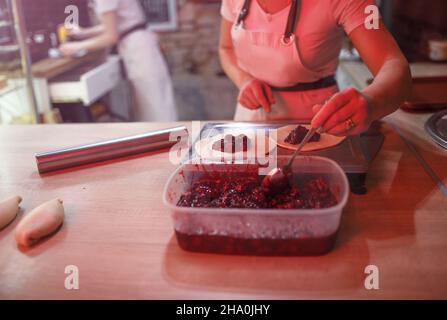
(326, 140)
(9, 209)
(40, 222)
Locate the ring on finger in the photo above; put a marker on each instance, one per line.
(350, 124)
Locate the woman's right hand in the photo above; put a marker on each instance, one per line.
(71, 49)
(75, 32)
(255, 94)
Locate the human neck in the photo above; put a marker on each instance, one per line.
(273, 6)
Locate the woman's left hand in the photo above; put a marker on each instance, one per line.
(347, 113)
(70, 49)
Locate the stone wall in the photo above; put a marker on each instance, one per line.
(193, 47)
(202, 91)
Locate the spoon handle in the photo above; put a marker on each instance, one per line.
(306, 139)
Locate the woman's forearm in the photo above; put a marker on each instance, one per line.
(229, 65)
(228, 58)
(253, 94)
(108, 36)
(85, 33)
(92, 31)
(103, 41)
(392, 76)
(390, 88)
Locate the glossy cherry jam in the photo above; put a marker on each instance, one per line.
(296, 136)
(232, 144)
(258, 247)
(223, 190)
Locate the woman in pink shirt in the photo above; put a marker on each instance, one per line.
(283, 54)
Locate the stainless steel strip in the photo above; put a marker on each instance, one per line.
(433, 127)
(442, 187)
(106, 150)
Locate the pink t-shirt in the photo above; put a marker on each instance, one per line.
(320, 30)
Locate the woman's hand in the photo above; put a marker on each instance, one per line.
(70, 49)
(347, 113)
(76, 32)
(256, 94)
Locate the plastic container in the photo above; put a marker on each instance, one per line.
(272, 232)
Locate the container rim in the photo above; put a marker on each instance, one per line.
(237, 211)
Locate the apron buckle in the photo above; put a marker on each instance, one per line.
(239, 25)
(287, 40)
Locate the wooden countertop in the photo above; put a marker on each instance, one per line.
(52, 67)
(120, 235)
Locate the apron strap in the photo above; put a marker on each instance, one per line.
(244, 12)
(139, 26)
(305, 86)
(294, 14)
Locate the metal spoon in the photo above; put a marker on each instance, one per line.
(278, 179)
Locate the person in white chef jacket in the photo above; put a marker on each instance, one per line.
(123, 23)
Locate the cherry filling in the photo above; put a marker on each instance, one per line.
(297, 135)
(232, 144)
(245, 191)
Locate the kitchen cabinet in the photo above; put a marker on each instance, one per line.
(86, 84)
(77, 83)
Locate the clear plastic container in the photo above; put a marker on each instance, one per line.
(272, 232)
